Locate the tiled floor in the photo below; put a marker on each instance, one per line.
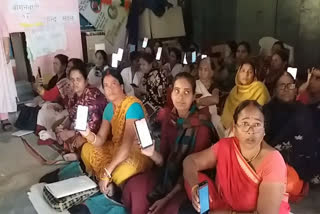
(19, 170)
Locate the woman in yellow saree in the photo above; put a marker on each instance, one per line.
(111, 155)
(247, 88)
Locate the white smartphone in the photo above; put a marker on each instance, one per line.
(292, 71)
(143, 133)
(194, 57)
(185, 59)
(82, 118)
(120, 54)
(145, 42)
(114, 63)
(203, 56)
(158, 57)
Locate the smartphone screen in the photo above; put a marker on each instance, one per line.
(204, 197)
(203, 56)
(82, 118)
(292, 71)
(185, 59)
(114, 63)
(194, 57)
(120, 54)
(158, 57)
(132, 48)
(143, 133)
(145, 42)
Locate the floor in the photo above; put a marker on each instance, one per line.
(19, 170)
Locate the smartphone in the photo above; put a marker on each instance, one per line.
(132, 48)
(39, 72)
(203, 56)
(143, 133)
(145, 42)
(185, 59)
(120, 54)
(204, 197)
(194, 57)
(82, 118)
(158, 57)
(114, 63)
(292, 71)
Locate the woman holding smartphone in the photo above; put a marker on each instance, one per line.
(251, 176)
(184, 130)
(84, 95)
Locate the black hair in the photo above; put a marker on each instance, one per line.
(82, 70)
(249, 62)
(243, 105)
(189, 78)
(283, 54)
(114, 73)
(147, 57)
(63, 59)
(233, 46)
(134, 55)
(177, 52)
(77, 62)
(104, 55)
(279, 43)
(246, 45)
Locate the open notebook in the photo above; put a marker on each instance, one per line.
(70, 186)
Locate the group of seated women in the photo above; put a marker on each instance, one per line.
(246, 147)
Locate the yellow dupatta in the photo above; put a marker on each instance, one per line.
(254, 91)
(96, 158)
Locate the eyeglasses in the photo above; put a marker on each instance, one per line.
(245, 127)
(289, 86)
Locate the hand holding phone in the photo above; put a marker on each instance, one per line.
(204, 197)
(143, 133)
(82, 118)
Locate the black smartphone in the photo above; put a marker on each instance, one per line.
(204, 197)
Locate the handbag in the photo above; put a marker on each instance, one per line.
(64, 203)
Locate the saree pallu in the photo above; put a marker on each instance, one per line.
(237, 185)
(97, 158)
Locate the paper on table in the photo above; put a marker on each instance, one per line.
(70, 186)
(39, 203)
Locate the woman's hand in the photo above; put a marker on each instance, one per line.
(158, 205)
(85, 133)
(195, 198)
(103, 185)
(149, 151)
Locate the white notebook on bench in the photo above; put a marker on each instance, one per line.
(70, 186)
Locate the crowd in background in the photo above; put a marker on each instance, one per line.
(240, 113)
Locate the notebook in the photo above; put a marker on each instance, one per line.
(70, 186)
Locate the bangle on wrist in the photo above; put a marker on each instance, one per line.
(195, 186)
(108, 173)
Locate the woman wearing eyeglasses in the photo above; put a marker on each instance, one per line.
(290, 128)
(250, 175)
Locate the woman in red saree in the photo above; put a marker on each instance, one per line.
(251, 175)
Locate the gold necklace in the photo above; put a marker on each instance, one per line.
(255, 156)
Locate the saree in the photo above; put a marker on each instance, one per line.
(215, 118)
(236, 184)
(97, 158)
(254, 91)
(184, 145)
(96, 102)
